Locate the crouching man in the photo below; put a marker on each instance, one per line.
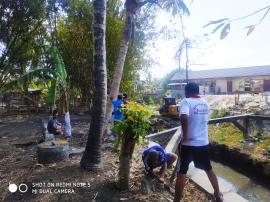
(156, 156)
(54, 126)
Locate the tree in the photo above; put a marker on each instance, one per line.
(53, 80)
(225, 23)
(74, 36)
(91, 159)
(130, 131)
(132, 7)
(21, 31)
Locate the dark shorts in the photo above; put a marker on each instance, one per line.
(198, 154)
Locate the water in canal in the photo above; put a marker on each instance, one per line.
(241, 184)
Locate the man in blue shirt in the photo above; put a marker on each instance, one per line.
(118, 114)
(117, 105)
(156, 156)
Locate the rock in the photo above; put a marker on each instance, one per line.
(75, 151)
(18, 159)
(147, 184)
(109, 173)
(38, 166)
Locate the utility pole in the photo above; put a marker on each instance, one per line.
(186, 47)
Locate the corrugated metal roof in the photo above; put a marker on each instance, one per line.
(225, 73)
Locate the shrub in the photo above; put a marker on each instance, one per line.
(129, 132)
(219, 113)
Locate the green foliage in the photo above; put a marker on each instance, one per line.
(50, 95)
(167, 93)
(227, 134)
(74, 33)
(60, 70)
(167, 79)
(35, 24)
(53, 78)
(151, 101)
(26, 78)
(176, 6)
(21, 37)
(219, 113)
(253, 110)
(225, 31)
(136, 122)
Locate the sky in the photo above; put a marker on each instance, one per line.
(236, 50)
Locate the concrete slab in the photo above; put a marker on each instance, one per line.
(159, 135)
(151, 144)
(200, 178)
(233, 197)
(173, 143)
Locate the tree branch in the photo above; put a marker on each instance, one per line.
(264, 15)
(253, 13)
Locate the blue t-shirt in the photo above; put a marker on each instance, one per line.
(163, 156)
(116, 110)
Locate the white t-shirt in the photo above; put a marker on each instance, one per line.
(197, 111)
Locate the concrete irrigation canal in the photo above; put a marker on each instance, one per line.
(234, 185)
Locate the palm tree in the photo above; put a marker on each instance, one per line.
(132, 7)
(91, 159)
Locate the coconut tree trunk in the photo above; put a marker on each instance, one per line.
(91, 159)
(132, 6)
(126, 152)
(117, 76)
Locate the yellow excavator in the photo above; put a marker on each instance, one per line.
(169, 107)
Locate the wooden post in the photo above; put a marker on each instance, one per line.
(246, 125)
(240, 127)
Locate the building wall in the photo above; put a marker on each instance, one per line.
(221, 86)
(237, 83)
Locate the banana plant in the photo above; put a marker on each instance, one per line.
(54, 82)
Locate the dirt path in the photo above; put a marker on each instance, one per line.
(18, 139)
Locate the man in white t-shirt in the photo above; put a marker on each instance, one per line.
(194, 145)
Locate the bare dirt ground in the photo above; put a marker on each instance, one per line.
(19, 136)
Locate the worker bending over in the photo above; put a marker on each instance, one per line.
(156, 156)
